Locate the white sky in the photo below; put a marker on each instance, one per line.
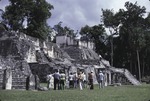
(78, 13)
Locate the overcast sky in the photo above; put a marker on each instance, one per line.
(78, 13)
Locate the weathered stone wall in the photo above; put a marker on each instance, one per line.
(27, 56)
(19, 50)
(1, 78)
(13, 54)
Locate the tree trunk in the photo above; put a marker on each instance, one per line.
(143, 68)
(135, 69)
(112, 52)
(137, 52)
(111, 42)
(131, 66)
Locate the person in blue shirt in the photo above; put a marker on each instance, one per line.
(56, 76)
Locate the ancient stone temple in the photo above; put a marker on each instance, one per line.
(13, 66)
(84, 58)
(25, 61)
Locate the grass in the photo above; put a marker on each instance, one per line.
(122, 93)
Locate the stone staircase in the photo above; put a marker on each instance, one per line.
(123, 71)
(1, 79)
(82, 55)
(74, 52)
(126, 73)
(18, 80)
(131, 78)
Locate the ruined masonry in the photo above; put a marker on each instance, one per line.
(25, 61)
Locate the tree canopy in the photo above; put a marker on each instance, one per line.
(64, 30)
(133, 35)
(96, 34)
(131, 47)
(28, 16)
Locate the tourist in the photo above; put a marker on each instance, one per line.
(80, 78)
(62, 80)
(101, 79)
(90, 78)
(49, 81)
(84, 80)
(75, 79)
(56, 76)
(71, 82)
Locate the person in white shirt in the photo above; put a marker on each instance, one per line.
(71, 82)
(101, 79)
(84, 80)
(50, 81)
(80, 77)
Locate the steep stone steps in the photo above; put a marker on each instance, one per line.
(1, 78)
(73, 52)
(127, 74)
(123, 71)
(18, 80)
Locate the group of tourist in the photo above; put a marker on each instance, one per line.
(56, 80)
(60, 81)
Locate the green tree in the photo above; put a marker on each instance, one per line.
(111, 22)
(64, 30)
(58, 27)
(133, 40)
(85, 30)
(97, 35)
(33, 12)
(1, 12)
(133, 30)
(146, 50)
(70, 32)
